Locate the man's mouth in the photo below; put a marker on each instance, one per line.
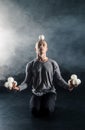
(41, 50)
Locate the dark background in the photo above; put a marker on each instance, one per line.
(62, 22)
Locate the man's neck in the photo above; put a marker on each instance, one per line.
(42, 58)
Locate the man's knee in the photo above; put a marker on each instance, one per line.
(50, 108)
(50, 104)
(35, 102)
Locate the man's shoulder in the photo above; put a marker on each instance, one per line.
(54, 62)
(30, 63)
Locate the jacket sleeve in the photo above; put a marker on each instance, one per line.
(58, 78)
(28, 77)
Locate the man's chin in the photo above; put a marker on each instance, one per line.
(41, 55)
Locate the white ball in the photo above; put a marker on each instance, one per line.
(41, 37)
(6, 84)
(10, 79)
(73, 76)
(15, 83)
(10, 86)
(74, 82)
(10, 82)
(78, 81)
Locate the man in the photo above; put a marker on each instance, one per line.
(40, 74)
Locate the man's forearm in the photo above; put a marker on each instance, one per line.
(22, 86)
(63, 83)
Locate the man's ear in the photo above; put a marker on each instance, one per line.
(35, 49)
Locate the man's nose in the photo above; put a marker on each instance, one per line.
(41, 46)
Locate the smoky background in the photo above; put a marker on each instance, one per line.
(22, 21)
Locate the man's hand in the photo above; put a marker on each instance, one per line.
(11, 84)
(73, 82)
(14, 87)
(71, 86)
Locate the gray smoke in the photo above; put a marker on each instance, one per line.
(18, 34)
(22, 21)
(67, 41)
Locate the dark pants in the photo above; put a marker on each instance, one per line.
(43, 104)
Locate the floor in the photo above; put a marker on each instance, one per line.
(15, 112)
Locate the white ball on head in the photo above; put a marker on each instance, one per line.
(10, 83)
(41, 37)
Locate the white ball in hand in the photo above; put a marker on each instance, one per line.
(75, 81)
(10, 86)
(73, 76)
(78, 81)
(6, 84)
(10, 79)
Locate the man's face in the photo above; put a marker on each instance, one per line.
(41, 48)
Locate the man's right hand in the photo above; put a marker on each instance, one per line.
(14, 87)
(71, 86)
